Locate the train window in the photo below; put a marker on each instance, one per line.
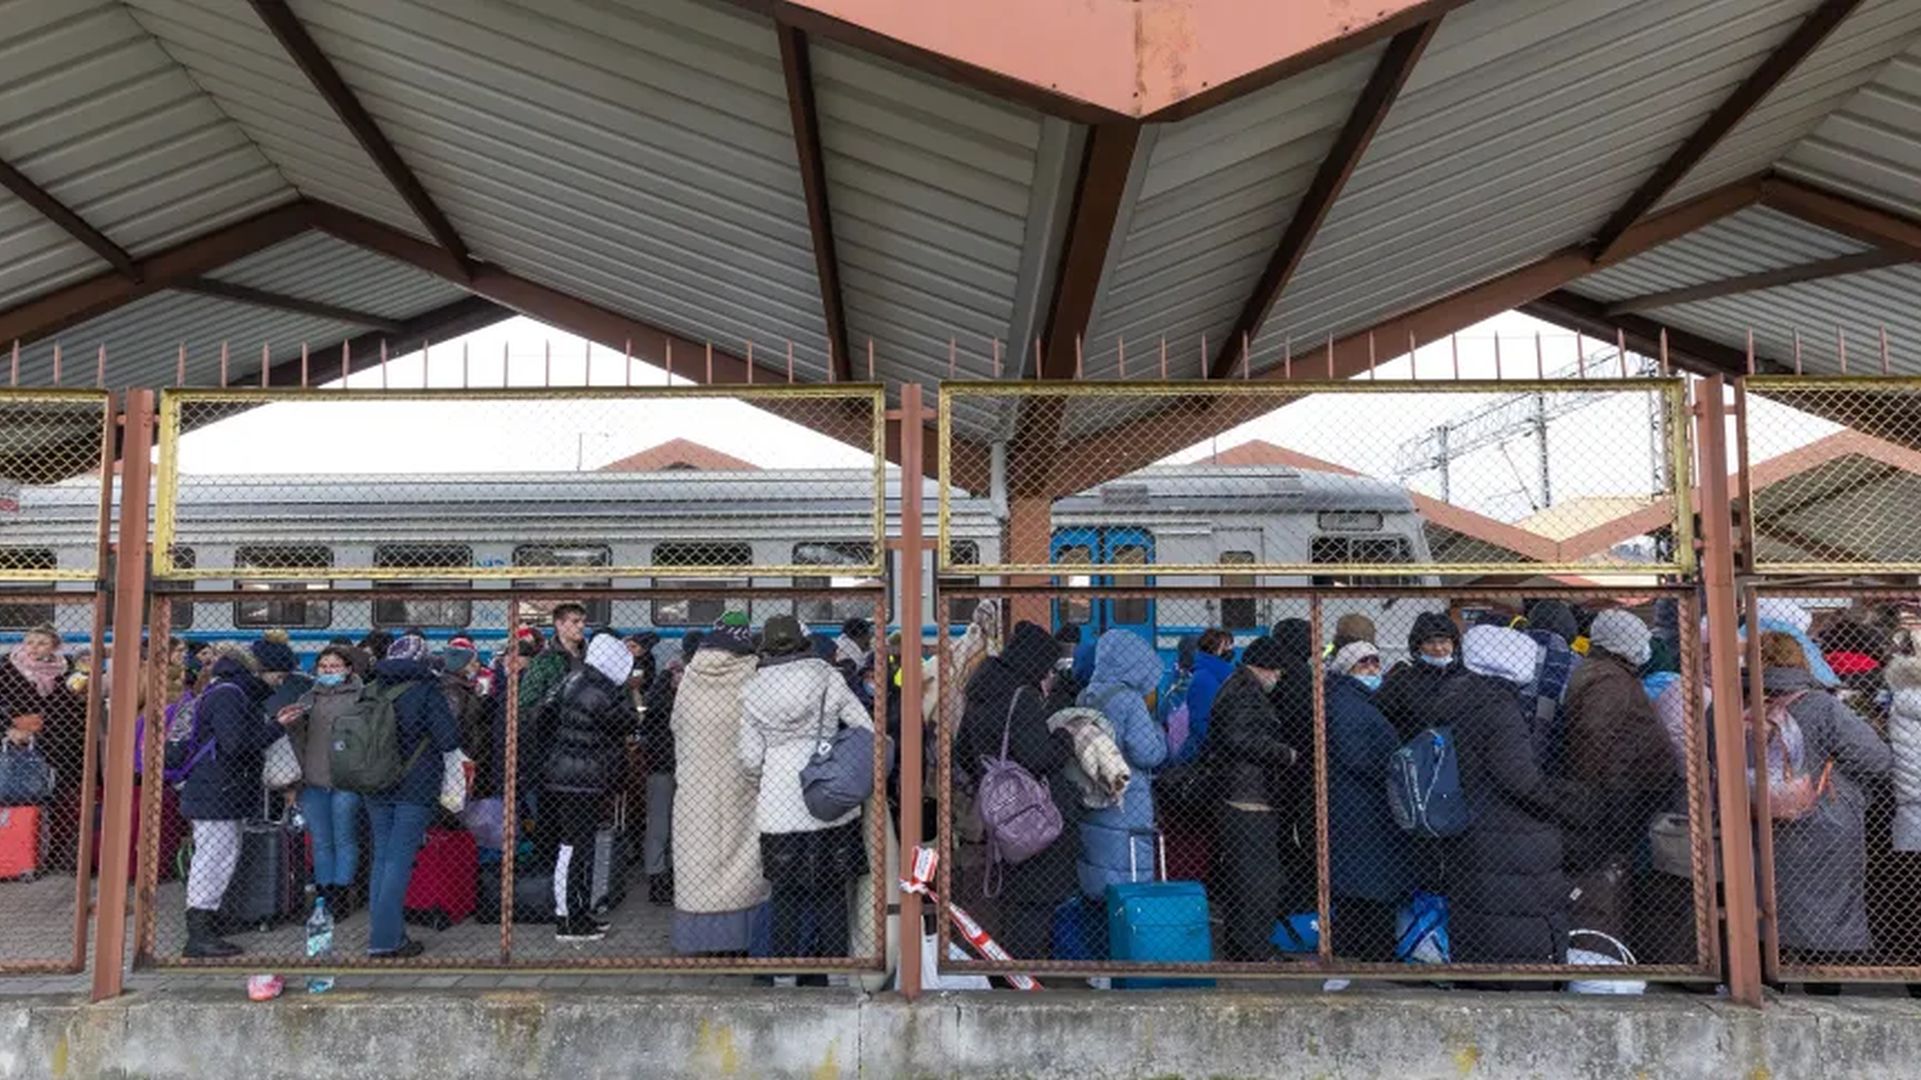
(834, 609)
(704, 610)
(281, 603)
(1239, 612)
(181, 617)
(20, 615)
(960, 609)
(540, 611)
(1131, 610)
(1359, 551)
(1077, 610)
(439, 613)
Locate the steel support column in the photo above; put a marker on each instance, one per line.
(913, 546)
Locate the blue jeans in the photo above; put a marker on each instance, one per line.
(398, 829)
(333, 820)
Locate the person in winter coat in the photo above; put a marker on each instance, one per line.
(1820, 856)
(656, 690)
(1509, 893)
(1409, 691)
(39, 705)
(1009, 693)
(398, 816)
(563, 655)
(1213, 665)
(794, 702)
(280, 669)
(585, 763)
(1255, 862)
(1616, 747)
(1117, 843)
(1894, 873)
(856, 640)
(333, 815)
(458, 666)
(1351, 628)
(231, 735)
(720, 897)
(1370, 860)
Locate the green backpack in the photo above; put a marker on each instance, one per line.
(365, 755)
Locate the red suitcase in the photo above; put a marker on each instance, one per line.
(441, 891)
(22, 836)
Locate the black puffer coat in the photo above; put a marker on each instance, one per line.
(1508, 892)
(591, 718)
(1249, 752)
(1049, 877)
(1410, 691)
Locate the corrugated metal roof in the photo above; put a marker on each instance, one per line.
(1754, 240)
(932, 188)
(1855, 53)
(235, 59)
(1525, 124)
(1218, 191)
(639, 160)
(1871, 147)
(93, 111)
(143, 338)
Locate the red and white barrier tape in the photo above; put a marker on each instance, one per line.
(926, 860)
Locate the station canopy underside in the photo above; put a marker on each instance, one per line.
(837, 176)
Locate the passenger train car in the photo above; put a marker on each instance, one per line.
(1191, 514)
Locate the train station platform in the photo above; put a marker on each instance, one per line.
(592, 1032)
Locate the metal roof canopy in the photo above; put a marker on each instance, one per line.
(846, 175)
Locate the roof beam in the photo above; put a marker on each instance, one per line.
(1838, 213)
(56, 211)
(1753, 89)
(462, 316)
(300, 45)
(52, 312)
(652, 343)
(1098, 194)
(246, 294)
(1687, 351)
(1390, 74)
(797, 64)
(1859, 263)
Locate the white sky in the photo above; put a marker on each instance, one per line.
(1603, 449)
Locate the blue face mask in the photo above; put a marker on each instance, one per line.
(1436, 661)
(332, 678)
(1372, 682)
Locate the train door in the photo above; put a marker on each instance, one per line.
(1107, 547)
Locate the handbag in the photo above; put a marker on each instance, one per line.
(26, 779)
(454, 780)
(839, 775)
(1671, 848)
(280, 766)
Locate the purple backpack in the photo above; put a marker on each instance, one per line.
(1017, 812)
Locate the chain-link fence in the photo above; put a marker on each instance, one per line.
(52, 678)
(1583, 476)
(1832, 705)
(638, 780)
(1829, 471)
(53, 494)
(275, 486)
(1386, 783)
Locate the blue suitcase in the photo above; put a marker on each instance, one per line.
(1158, 922)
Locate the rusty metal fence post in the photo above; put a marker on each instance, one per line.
(129, 608)
(913, 543)
(1730, 755)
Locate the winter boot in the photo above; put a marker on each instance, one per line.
(202, 942)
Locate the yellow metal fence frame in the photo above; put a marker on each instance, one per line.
(1679, 469)
(870, 397)
(103, 401)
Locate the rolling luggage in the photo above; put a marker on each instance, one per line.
(613, 851)
(264, 891)
(441, 891)
(1158, 922)
(23, 837)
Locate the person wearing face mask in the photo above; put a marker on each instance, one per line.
(1371, 863)
(1616, 746)
(1256, 770)
(1409, 691)
(333, 815)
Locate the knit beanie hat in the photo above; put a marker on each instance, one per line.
(1624, 635)
(1264, 653)
(274, 655)
(609, 655)
(728, 639)
(409, 647)
(783, 635)
(1352, 654)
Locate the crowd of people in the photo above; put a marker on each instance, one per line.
(1570, 727)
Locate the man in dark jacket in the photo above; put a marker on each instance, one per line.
(398, 817)
(1409, 692)
(231, 733)
(1009, 693)
(1370, 860)
(657, 690)
(585, 763)
(1508, 892)
(280, 670)
(1258, 861)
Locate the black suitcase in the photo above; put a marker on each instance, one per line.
(533, 896)
(264, 891)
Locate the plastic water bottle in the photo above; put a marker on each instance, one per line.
(320, 944)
